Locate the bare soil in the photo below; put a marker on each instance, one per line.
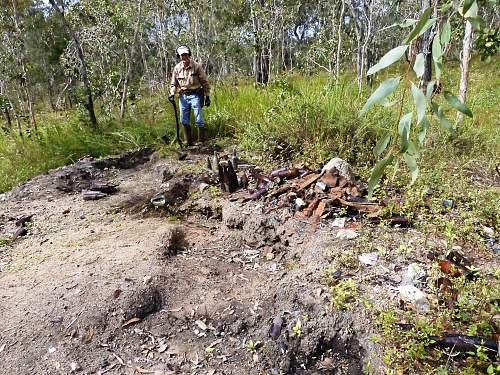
(206, 285)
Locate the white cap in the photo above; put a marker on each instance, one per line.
(183, 50)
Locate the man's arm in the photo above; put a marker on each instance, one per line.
(174, 83)
(203, 80)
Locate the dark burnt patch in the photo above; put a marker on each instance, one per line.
(126, 160)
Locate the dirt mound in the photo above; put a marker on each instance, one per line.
(143, 302)
(168, 275)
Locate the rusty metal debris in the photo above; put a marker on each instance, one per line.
(23, 219)
(90, 195)
(275, 329)
(310, 194)
(21, 222)
(20, 232)
(465, 344)
(103, 187)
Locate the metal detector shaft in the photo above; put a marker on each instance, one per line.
(178, 137)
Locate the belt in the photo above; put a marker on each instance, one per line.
(191, 92)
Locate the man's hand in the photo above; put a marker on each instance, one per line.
(171, 98)
(207, 101)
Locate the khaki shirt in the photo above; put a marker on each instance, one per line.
(191, 77)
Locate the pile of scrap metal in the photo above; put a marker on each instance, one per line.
(316, 194)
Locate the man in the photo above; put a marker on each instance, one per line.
(189, 78)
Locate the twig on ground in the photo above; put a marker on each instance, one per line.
(119, 359)
(9, 329)
(76, 317)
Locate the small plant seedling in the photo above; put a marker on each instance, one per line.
(343, 294)
(252, 345)
(297, 329)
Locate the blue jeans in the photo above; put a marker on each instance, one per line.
(186, 102)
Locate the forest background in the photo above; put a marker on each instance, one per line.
(290, 77)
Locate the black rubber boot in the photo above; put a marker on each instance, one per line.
(187, 134)
(202, 135)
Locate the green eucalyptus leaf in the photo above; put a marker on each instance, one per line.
(446, 7)
(437, 51)
(405, 123)
(471, 11)
(457, 104)
(477, 22)
(424, 23)
(420, 102)
(404, 139)
(419, 66)
(446, 33)
(388, 103)
(404, 130)
(413, 149)
(385, 89)
(389, 58)
(467, 5)
(412, 166)
(430, 88)
(377, 173)
(382, 145)
(443, 120)
(424, 125)
(438, 66)
(407, 23)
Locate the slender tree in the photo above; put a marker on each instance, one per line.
(464, 64)
(89, 103)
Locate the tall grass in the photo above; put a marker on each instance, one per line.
(295, 117)
(59, 142)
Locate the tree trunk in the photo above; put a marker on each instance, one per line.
(357, 8)
(164, 61)
(18, 122)
(464, 64)
(339, 42)
(427, 39)
(22, 62)
(130, 64)
(368, 46)
(123, 101)
(8, 120)
(261, 54)
(89, 103)
(50, 86)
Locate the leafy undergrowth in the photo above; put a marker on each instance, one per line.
(459, 300)
(61, 141)
(311, 119)
(412, 342)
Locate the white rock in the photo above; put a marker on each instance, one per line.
(347, 234)
(415, 296)
(321, 185)
(342, 166)
(75, 367)
(370, 259)
(299, 202)
(162, 348)
(52, 350)
(490, 232)
(203, 186)
(413, 273)
(201, 325)
(339, 222)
